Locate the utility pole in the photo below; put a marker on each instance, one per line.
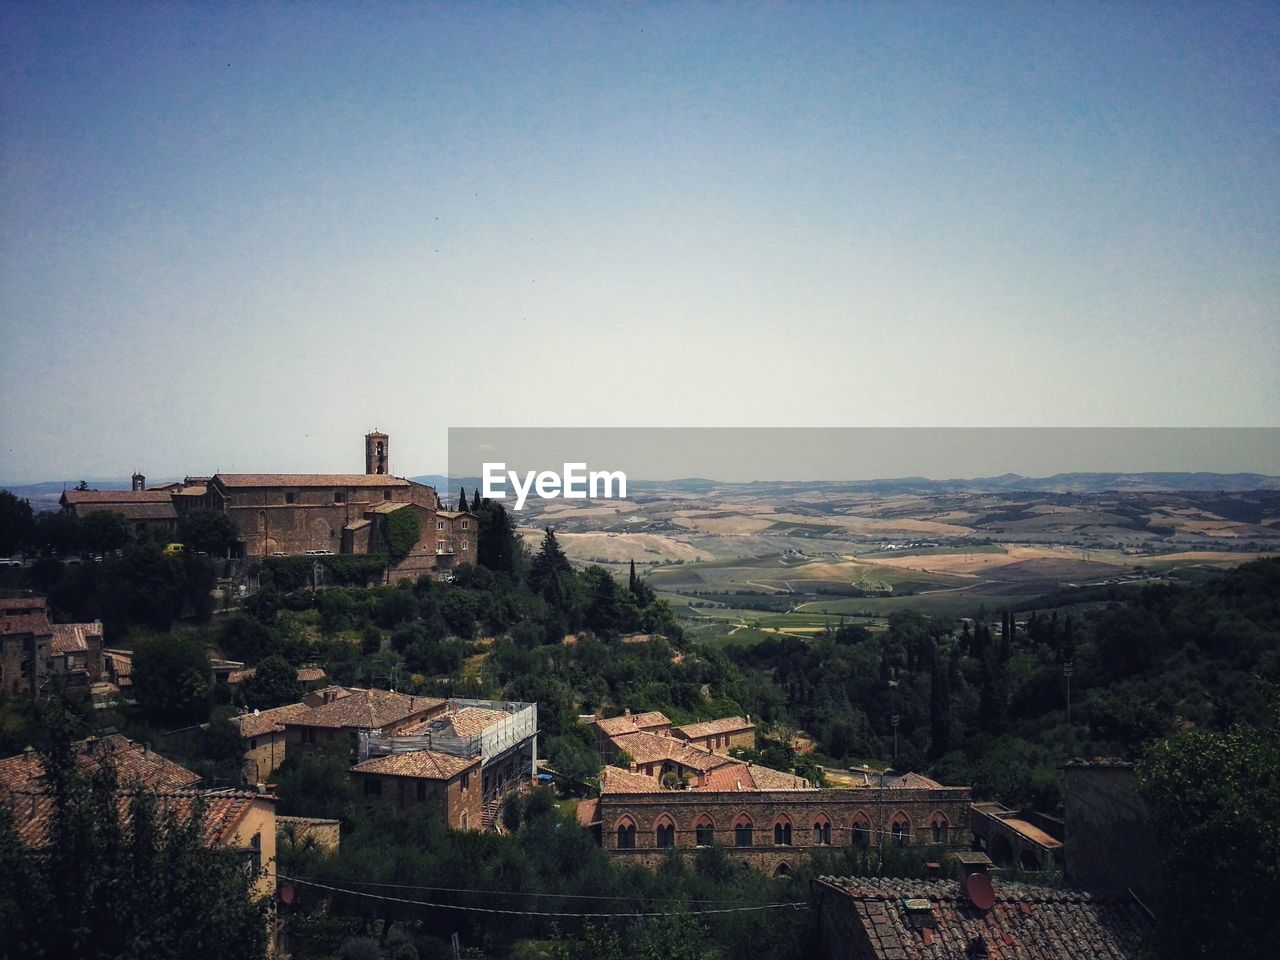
(1068, 668)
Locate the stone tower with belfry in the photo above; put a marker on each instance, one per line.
(377, 453)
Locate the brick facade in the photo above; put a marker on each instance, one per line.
(874, 810)
(459, 800)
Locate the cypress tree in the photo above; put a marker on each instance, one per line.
(631, 584)
(475, 501)
(462, 499)
(939, 709)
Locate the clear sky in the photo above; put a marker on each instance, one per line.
(238, 236)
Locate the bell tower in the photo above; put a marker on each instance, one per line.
(377, 453)
(139, 482)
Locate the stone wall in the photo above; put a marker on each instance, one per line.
(1109, 844)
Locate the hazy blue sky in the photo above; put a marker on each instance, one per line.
(237, 237)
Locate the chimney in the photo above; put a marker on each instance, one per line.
(932, 870)
(626, 711)
(633, 766)
(146, 747)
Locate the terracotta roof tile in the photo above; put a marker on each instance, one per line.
(615, 726)
(133, 763)
(647, 748)
(117, 496)
(230, 480)
(1043, 923)
(366, 710)
(24, 603)
(74, 637)
(617, 780)
(712, 728)
(470, 721)
(419, 764)
(36, 623)
(268, 721)
(587, 812)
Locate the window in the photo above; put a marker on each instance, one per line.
(372, 787)
(782, 832)
(339, 496)
(704, 832)
(466, 525)
(422, 789)
(439, 525)
(308, 735)
(465, 821)
(253, 743)
(386, 494)
(290, 497)
(901, 831)
(442, 546)
(742, 832)
(861, 832)
(822, 832)
(939, 827)
(626, 835)
(665, 835)
(466, 780)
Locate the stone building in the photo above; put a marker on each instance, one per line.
(719, 736)
(340, 715)
(502, 734)
(34, 651)
(135, 765)
(427, 778)
(142, 509)
(765, 818)
(1030, 840)
(263, 739)
(287, 514)
(867, 918)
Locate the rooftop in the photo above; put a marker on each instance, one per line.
(631, 722)
(647, 748)
(365, 710)
(116, 496)
(231, 480)
(261, 722)
(713, 728)
(134, 763)
(36, 623)
(1036, 923)
(419, 764)
(74, 637)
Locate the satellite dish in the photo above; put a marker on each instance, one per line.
(979, 891)
(286, 894)
(255, 711)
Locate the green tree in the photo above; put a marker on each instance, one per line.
(939, 708)
(1213, 799)
(103, 531)
(274, 683)
(17, 525)
(110, 886)
(549, 563)
(172, 678)
(211, 531)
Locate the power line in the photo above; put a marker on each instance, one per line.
(536, 913)
(556, 896)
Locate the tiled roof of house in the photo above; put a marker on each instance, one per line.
(222, 811)
(310, 674)
(24, 603)
(1035, 923)
(36, 623)
(195, 490)
(911, 781)
(116, 496)
(714, 728)
(766, 778)
(420, 764)
(268, 721)
(587, 812)
(308, 480)
(617, 780)
(135, 511)
(389, 506)
(74, 637)
(454, 514)
(651, 748)
(630, 723)
(470, 721)
(365, 710)
(134, 764)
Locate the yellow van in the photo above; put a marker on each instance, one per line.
(173, 549)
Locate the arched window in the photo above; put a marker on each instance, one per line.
(861, 831)
(742, 832)
(939, 826)
(782, 831)
(665, 834)
(822, 831)
(901, 830)
(704, 831)
(782, 871)
(626, 834)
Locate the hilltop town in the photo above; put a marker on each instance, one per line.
(342, 685)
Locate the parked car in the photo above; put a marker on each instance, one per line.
(319, 553)
(9, 562)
